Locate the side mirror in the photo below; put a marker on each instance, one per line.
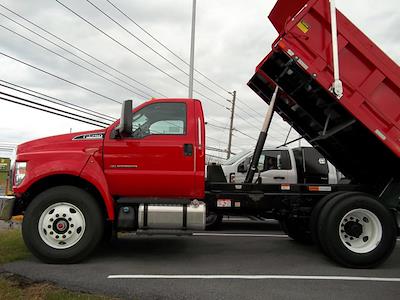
(125, 125)
(242, 168)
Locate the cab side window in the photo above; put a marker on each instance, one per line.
(160, 118)
(277, 160)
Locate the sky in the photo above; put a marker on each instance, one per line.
(232, 37)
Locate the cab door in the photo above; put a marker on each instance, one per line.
(158, 159)
(276, 167)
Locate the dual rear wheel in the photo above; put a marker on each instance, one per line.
(351, 228)
(354, 229)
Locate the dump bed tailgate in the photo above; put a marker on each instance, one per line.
(360, 132)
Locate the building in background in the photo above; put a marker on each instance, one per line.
(5, 164)
(7, 157)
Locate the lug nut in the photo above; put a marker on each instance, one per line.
(51, 220)
(64, 236)
(72, 225)
(57, 236)
(70, 232)
(57, 215)
(51, 232)
(48, 226)
(69, 219)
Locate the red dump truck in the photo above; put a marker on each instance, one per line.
(145, 172)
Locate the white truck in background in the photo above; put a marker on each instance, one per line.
(284, 165)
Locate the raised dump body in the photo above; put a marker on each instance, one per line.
(360, 132)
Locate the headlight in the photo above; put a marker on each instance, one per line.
(20, 172)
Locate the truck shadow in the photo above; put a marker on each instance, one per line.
(131, 245)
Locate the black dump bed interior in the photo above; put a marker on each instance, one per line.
(323, 122)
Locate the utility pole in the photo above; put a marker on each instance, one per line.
(192, 44)
(231, 125)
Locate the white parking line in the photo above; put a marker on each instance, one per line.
(256, 277)
(240, 234)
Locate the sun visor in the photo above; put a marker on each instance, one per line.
(283, 11)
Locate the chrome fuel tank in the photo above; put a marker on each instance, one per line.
(170, 216)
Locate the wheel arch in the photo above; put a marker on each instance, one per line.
(59, 180)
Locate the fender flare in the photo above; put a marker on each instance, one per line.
(93, 173)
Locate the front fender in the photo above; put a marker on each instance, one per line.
(52, 163)
(93, 173)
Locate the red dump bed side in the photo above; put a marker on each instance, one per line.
(301, 64)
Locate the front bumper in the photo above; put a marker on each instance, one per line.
(6, 207)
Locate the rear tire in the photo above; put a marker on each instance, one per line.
(315, 216)
(357, 231)
(296, 230)
(213, 220)
(63, 224)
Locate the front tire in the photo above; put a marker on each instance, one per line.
(63, 224)
(357, 231)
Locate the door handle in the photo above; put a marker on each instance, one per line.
(279, 177)
(187, 149)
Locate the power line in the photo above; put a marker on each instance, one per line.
(136, 54)
(60, 78)
(245, 134)
(73, 62)
(69, 105)
(78, 49)
(53, 108)
(234, 129)
(95, 114)
(217, 126)
(52, 112)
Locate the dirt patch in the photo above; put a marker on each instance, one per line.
(18, 287)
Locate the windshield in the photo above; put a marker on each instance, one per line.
(237, 157)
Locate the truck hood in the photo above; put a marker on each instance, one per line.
(78, 141)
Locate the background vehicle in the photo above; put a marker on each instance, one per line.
(145, 172)
(283, 165)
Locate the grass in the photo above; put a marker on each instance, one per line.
(12, 246)
(14, 287)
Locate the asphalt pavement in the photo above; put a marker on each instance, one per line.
(243, 260)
